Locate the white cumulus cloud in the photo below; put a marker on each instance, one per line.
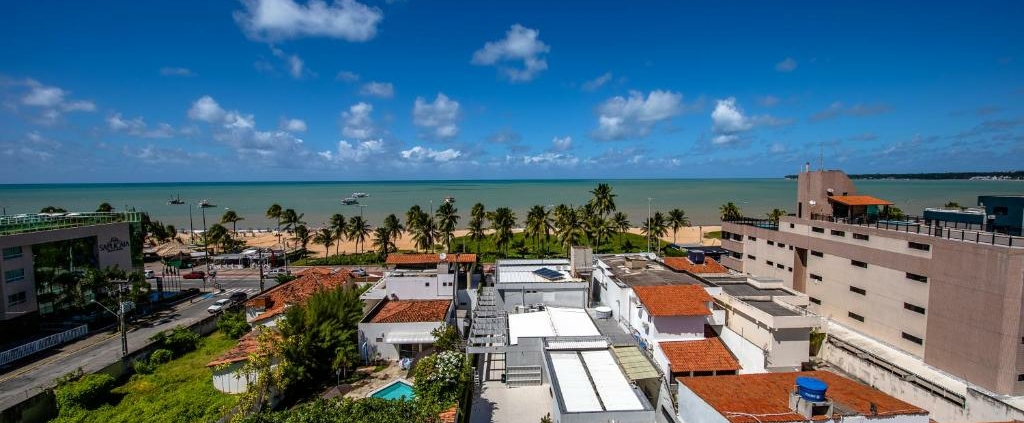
(206, 109)
(598, 82)
(729, 123)
(238, 131)
(51, 102)
(422, 154)
(520, 44)
(378, 89)
(561, 144)
(439, 117)
(634, 117)
(272, 20)
(293, 125)
(137, 127)
(786, 65)
(354, 152)
(356, 122)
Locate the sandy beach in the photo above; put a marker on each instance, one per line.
(691, 235)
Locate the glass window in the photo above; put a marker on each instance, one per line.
(916, 277)
(838, 233)
(817, 229)
(14, 275)
(15, 299)
(11, 253)
(855, 316)
(919, 246)
(861, 237)
(817, 253)
(859, 263)
(815, 300)
(914, 308)
(860, 291)
(913, 338)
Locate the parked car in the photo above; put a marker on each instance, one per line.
(237, 297)
(359, 272)
(278, 271)
(219, 305)
(195, 274)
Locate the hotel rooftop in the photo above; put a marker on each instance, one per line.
(638, 270)
(24, 223)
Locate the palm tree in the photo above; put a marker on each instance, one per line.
(233, 218)
(301, 235)
(325, 237)
(503, 219)
(621, 224)
(601, 229)
(426, 231)
(656, 227)
(775, 215)
(447, 218)
(394, 228)
(217, 234)
(568, 226)
(677, 219)
(476, 224)
(382, 242)
(291, 219)
(274, 212)
(358, 230)
(729, 211)
(604, 201)
(340, 227)
(538, 222)
(105, 208)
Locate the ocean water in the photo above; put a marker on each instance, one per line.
(700, 198)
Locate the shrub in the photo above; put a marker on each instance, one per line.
(161, 356)
(87, 392)
(441, 377)
(143, 367)
(179, 340)
(233, 324)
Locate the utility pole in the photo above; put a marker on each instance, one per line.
(649, 224)
(120, 318)
(261, 268)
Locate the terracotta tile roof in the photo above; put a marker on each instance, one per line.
(683, 264)
(674, 300)
(699, 355)
(276, 299)
(247, 344)
(859, 200)
(409, 311)
(429, 258)
(766, 395)
(448, 416)
(319, 270)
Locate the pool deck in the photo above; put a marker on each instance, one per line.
(374, 381)
(500, 404)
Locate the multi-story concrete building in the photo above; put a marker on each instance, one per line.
(42, 252)
(950, 297)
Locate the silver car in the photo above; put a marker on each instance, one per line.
(219, 305)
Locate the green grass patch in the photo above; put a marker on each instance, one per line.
(179, 391)
(523, 247)
(370, 258)
(713, 235)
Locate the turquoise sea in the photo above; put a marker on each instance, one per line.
(700, 198)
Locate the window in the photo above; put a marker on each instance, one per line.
(815, 277)
(426, 283)
(770, 242)
(780, 266)
(814, 300)
(859, 263)
(860, 291)
(737, 237)
(817, 253)
(11, 252)
(916, 277)
(771, 263)
(1020, 378)
(919, 246)
(14, 275)
(15, 299)
(790, 248)
(726, 235)
(861, 237)
(751, 238)
(913, 338)
(736, 255)
(856, 317)
(789, 269)
(751, 257)
(791, 226)
(817, 229)
(838, 233)
(781, 245)
(914, 308)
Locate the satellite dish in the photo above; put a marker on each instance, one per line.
(812, 202)
(443, 256)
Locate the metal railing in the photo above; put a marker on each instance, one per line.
(760, 223)
(48, 342)
(23, 223)
(922, 226)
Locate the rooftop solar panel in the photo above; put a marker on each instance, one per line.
(548, 274)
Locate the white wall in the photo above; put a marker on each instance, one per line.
(226, 380)
(678, 328)
(420, 287)
(375, 333)
(693, 409)
(750, 356)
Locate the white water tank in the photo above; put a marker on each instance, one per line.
(603, 312)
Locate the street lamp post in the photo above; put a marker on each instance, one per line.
(120, 321)
(649, 224)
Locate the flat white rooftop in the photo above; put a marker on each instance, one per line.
(553, 321)
(590, 381)
(523, 271)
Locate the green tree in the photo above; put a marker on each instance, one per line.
(441, 377)
(601, 229)
(290, 218)
(233, 218)
(274, 212)
(217, 235)
(621, 223)
(394, 227)
(302, 236)
(105, 208)
(446, 338)
(503, 220)
(655, 228)
(538, 222)
(425, 232)
(358, 231)
(775, 215)
(477, 217)
(340, 228)
(953, 205)
(603, 202)
(729, 211)
(52, 209)
(569, 226)
(325, 237)
(382, 242)
(447, 218)
(314, 332)
(259, 369)
(233, 324)
(677, 219)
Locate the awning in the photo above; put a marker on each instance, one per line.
(634, 363)
(409, 338)
(860, 200)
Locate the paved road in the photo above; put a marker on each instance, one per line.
(100, 350)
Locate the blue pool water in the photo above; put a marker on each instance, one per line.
(394, 391)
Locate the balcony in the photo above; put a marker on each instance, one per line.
(758, 223)
(922, 226)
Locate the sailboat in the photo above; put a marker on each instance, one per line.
(176, 200)
(206, 204)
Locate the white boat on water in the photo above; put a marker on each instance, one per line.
(206, 204)
(449, 199)
(348, 201)
(360, 195)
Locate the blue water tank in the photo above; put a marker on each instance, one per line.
(811, 389)
(697, 257)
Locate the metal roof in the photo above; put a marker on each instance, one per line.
(635, 363)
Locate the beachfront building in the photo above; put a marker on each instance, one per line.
(422, 277)
(42, 252)
(789, 397)
(931, 309)
(270, 305)
(529, 284)
(396, 329)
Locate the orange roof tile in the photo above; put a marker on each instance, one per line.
(674, 300)
(683, 264)
(449, 415)
(859, 200)
(296, 291)
(699, 355)
(247, 344)
(320, 270)
(766, 396)
(429, 258)
(409, 311)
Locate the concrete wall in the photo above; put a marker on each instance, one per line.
(226, 380)
(678, 328)
(693, 409)
(552, 294)
(428, 287)
(750, 356)
(373, 334)
(529, 352)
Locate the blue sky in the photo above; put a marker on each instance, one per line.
(410, 89)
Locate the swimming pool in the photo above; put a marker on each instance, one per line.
(399, 389)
